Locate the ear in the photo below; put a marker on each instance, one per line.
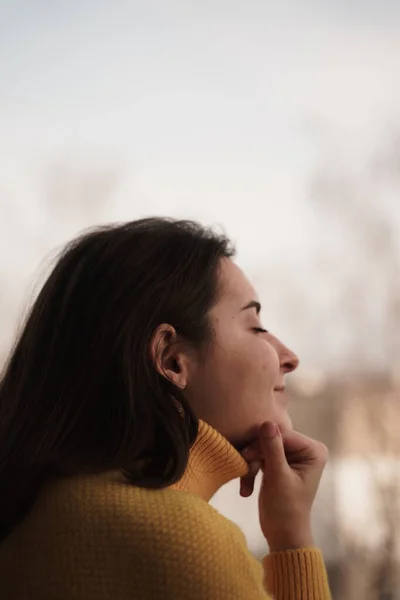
(170, 355)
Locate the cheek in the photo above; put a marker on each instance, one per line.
(261, 364)
(248, 372)
(270, 361)
(254, 382)
(250, 351)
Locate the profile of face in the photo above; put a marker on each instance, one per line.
(238, 382)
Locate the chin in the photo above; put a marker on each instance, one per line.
(285, 422)
(251, 435)
(240, 442)
(248, 437)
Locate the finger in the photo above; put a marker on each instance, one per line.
(252, 453)
(254, 468)
(291, 437)
(294, 438)
(296, 443)
(272, 448)
(247, 482)
(246, 486)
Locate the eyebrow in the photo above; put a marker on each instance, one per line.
(253, 304)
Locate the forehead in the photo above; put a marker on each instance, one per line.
(235, 288)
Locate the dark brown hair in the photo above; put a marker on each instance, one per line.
(80, 392)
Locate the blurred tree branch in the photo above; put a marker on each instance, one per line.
(356, 206)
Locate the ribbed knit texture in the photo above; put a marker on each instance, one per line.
(296, 574)
(99, 538)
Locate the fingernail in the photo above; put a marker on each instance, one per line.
(268, 430)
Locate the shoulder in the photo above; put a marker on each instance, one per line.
(108, 498)
(106, 511)
(109, 501)
(132, 539)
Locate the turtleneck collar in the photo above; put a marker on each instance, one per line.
(213, 461)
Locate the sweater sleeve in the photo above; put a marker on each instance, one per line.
(296, 575)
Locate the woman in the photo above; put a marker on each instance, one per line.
(143, 381)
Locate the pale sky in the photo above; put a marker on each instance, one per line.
(212, 110)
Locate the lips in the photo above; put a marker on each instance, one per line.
(279, 388)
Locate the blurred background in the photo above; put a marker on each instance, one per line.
(278, 121)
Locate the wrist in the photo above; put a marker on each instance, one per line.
(291, 540)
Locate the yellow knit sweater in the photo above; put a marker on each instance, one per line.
(98, 538)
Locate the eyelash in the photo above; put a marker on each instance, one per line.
(260, 330)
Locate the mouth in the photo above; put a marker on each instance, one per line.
(279, 388)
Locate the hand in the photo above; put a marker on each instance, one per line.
(292, 466)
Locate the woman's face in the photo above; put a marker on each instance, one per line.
(239, 384)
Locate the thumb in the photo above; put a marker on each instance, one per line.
(272, 448)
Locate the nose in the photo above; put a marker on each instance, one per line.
(288, 360)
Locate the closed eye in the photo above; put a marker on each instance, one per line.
(260, 330)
